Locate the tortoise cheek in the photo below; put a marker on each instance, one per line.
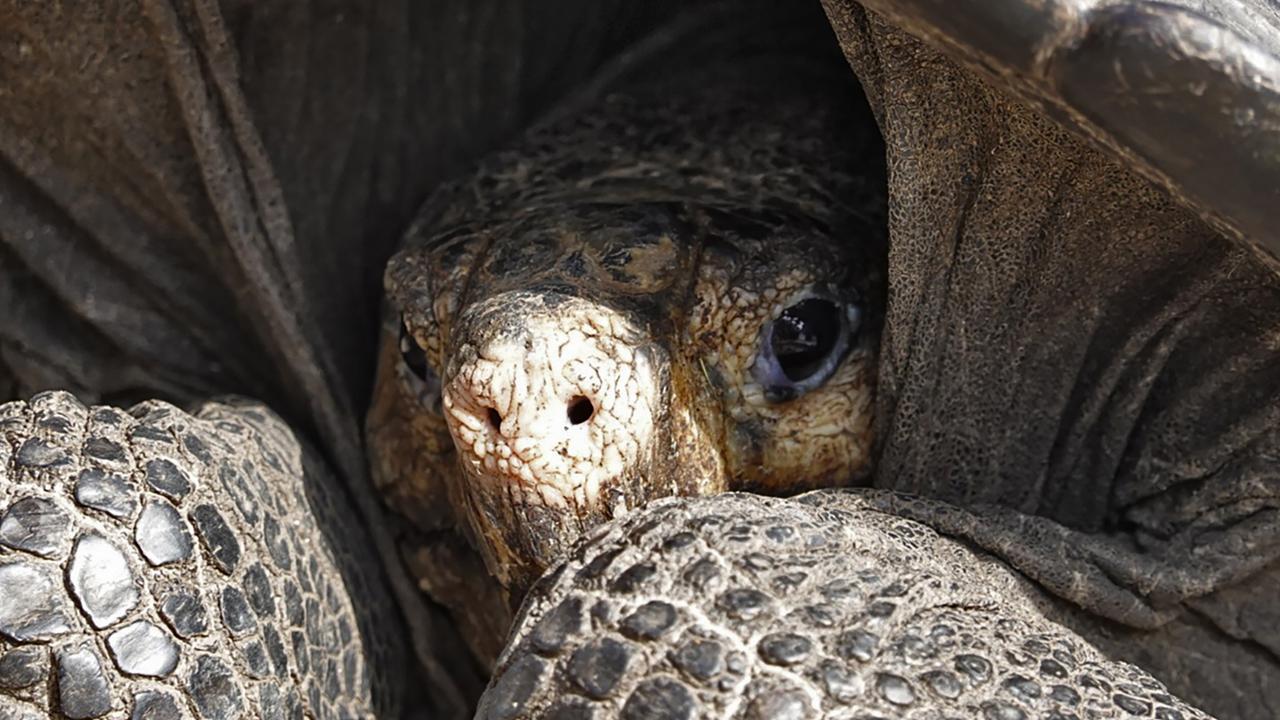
(410, 452)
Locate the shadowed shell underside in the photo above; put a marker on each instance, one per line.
(677, 291)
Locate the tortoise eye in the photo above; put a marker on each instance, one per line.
(415, 362)
(804, 346)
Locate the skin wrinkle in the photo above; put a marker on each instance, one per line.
(53, 260)
(634, 254)
(1115, 235)
(942, 278)
(1160, 343)
(1038, 265)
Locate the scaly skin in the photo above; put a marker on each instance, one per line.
(740, 606)
(629, 258)
(157, 564)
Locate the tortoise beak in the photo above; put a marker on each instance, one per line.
(552, 403)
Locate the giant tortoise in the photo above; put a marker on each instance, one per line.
(1051, 384)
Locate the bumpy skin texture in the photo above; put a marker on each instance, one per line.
(741, 606)
(998, 220)
(1080, 365)
(199, 197)
(159, 564)
(632, 252)
(1084, 366)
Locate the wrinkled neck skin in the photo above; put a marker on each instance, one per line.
(1084, 373)
(1066, 339)
(591, 302)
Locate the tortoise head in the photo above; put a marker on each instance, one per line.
(566, 363)
(674, 290)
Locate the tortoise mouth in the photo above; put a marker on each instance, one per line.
(552, 404)
(528, 540)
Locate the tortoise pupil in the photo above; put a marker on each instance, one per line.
(415, 358)
(804, 335)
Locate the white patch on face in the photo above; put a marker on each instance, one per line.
(530, 373)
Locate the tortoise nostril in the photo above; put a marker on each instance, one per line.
(495, 419)
(580, 410)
